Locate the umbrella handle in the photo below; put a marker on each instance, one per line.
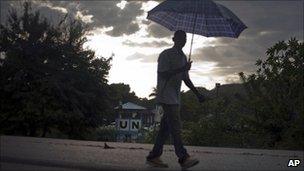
(192, 36)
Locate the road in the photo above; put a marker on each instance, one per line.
(27, 153)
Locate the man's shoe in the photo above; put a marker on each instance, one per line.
(189, 162)
(156, 162)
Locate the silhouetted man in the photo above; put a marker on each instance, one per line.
(172, 68)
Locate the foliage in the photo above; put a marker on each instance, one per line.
(217, 122)
(47, 79)
(122, 92)
(276, 95)
(150, 135)
(106, 134)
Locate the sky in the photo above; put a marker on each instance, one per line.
(121, 28)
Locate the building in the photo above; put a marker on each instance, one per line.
(130, 120)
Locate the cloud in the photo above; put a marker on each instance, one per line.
(269, 16)
(84, 18)
(4, 8)
(158, 31)
(49, 5)
(146, 44)
(143, 58)
(108, 14)
(230, 57)
(267, 22)
(232, 79)
(98, 14)
(48, 10)
(146, 22)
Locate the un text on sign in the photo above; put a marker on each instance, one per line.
(128, 124)
(123, 124)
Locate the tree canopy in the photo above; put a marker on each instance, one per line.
(276, 95)
(47, 78)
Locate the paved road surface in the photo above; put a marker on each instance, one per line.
(26, 153)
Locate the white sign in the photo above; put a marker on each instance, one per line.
(128, 124)
(135, 124)
(123, 124)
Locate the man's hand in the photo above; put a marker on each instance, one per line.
(188, 82)
(187, 67)
(201, 98)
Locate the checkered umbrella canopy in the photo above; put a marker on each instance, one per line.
(202, 17)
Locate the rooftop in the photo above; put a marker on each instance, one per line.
(130, 106)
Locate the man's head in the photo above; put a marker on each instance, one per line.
(179, 39)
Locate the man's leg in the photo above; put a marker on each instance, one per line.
(174, 124)
(162, 135)
(175, 127)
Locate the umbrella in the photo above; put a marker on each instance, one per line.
(202, 17)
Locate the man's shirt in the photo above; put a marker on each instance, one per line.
(168, 90)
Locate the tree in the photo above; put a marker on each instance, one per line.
(276, 95)
(48, 80)
(154, 93)
(122, 92)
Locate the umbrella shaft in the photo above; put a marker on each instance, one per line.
(192, 36)
(191, 46)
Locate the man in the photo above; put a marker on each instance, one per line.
(172, 68)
